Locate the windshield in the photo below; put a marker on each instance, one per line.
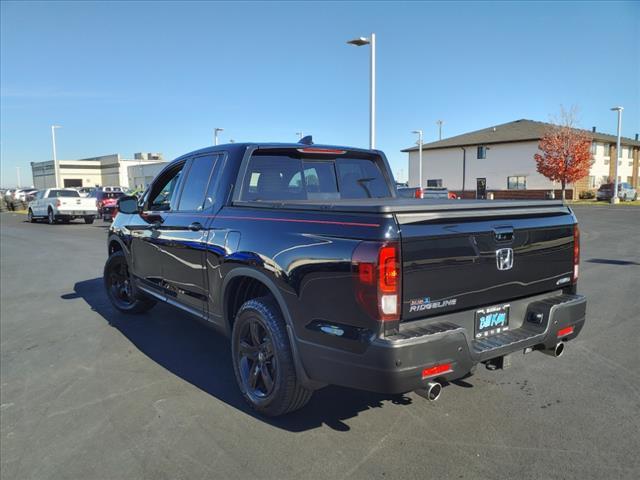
(63, 193)
(291, 176)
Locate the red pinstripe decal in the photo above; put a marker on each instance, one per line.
(299, 220)
(274, 219)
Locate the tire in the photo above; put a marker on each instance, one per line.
(30, 216)
(120, 289)
(51, 218)
(88, 219)
(263, 362)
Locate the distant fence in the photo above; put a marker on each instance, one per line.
(541, 194)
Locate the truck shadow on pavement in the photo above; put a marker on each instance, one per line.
(199, 355)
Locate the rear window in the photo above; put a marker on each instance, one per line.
(606, 186)
(104, 195)
(63, 193)
(290, 176)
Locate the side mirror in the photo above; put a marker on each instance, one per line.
(128, 204)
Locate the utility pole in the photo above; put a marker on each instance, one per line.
(419, 132)
(614, 197)
(55, 157)
(439, 123)
(215, 134)
(359, 42)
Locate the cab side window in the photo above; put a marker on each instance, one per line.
(196, 183)
(165, 189)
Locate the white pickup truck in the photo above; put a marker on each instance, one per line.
(61, 204)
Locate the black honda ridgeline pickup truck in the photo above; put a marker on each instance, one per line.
(305, 256)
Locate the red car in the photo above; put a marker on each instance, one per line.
(107, 203)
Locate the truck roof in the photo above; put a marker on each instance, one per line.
(241, 147)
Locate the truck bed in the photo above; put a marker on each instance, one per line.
(445, 207)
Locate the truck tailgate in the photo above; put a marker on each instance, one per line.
(458, 261)
(76, 204)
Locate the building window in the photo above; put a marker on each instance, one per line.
(594, 148)
(607, 150)
(631, 163)
(517, 183)
(630, 152)
(482, 152)
(606, 161)
(592, 181)
(434, 182)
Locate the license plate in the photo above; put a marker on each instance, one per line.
(492, 320)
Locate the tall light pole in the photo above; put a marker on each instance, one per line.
(419, 133)
(359, 42)
(439, 123)
(215, 134)
(55, 157)
(614, 197)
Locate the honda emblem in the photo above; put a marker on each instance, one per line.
(504, 258)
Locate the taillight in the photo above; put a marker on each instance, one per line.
(419, 193)
(576, 252)
(377, 279)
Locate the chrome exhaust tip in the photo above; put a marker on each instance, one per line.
(433, 391)
(555, 351)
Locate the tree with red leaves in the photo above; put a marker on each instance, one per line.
(566, 152)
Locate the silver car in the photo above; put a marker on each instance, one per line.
(625, 192)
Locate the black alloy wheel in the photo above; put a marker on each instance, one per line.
(263, 360)
(258, 367)
(118, 285)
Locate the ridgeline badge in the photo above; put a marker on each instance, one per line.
(420, 304)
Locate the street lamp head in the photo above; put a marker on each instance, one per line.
(617, 109)
(219, 129)
(56, 126)
(418, 132)
(359, 42)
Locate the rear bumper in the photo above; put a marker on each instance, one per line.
(395, 364)
(76, 213)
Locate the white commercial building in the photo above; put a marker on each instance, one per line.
(89, 172)
(500, 160)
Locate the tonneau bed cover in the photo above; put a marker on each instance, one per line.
(435, 207)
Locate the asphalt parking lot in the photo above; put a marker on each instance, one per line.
(88, 393)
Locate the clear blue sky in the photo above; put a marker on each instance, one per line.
(159, 76)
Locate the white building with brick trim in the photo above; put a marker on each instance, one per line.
(500, 160)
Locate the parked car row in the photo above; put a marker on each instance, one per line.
(625, 192)
(429, 192)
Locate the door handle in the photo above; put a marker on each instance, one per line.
(195, 227)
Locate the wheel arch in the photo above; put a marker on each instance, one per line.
(235, 278)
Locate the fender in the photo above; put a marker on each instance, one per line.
(275, 291)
